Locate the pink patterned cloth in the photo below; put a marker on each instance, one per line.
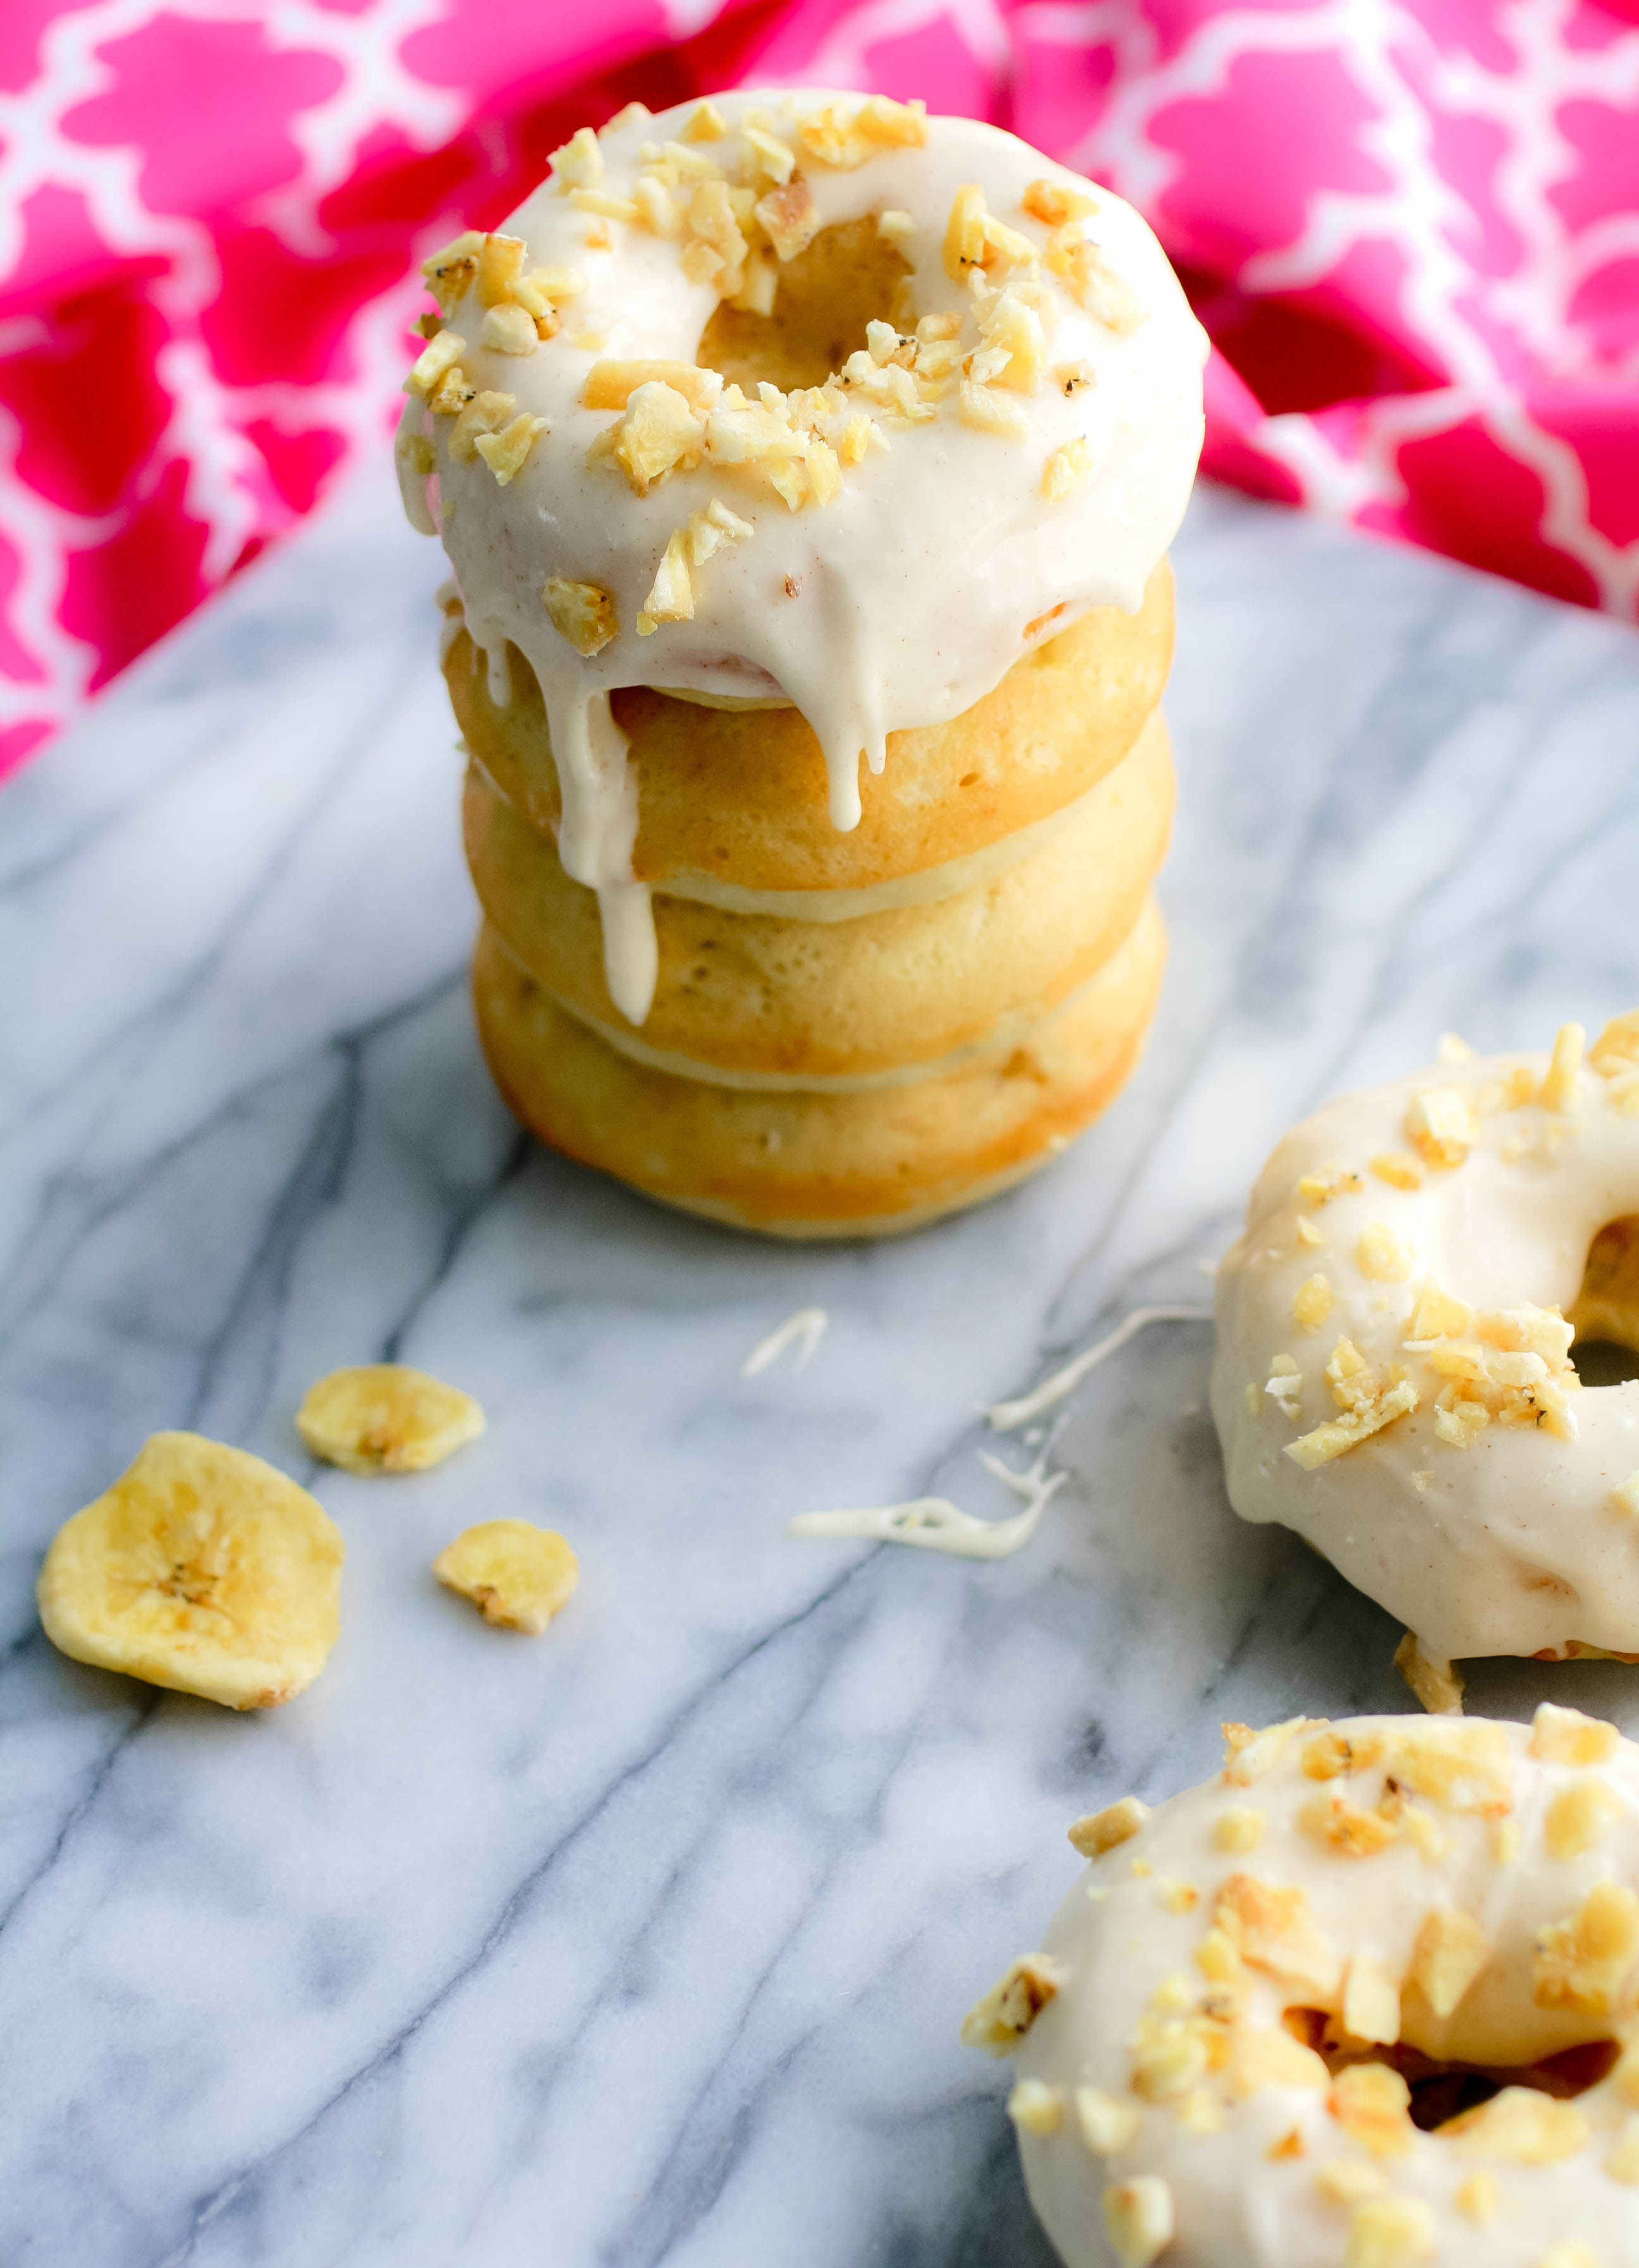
(1411, 226)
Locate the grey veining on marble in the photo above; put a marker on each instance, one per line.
(647, 1941)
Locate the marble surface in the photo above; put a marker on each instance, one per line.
(648, 1941)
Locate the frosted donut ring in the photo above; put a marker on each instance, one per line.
(1393, 1379)
(1369, 2000)
(792, 399)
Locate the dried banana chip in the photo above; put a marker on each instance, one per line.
(518, 1575)
(201, 1569)
(384, 1417)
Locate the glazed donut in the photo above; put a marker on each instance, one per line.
(1009, 444)
(809, 1163)
(784, 1001)
(1393, 1379)
(1369, 2000)
(733, 803)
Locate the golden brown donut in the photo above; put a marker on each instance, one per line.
(806, 999)
(815, 1164)
(740, 795)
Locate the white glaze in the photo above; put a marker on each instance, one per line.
(1004, 1415)
(933, 1523)
(804, 1330)
(1513, 1544)
(1114, 1942)
(900, 603)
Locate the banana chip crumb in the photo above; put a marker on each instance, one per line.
(384, 1417)
(517, 1575)
(202, 1569)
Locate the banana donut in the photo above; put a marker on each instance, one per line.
(733, 802)
(812, 1163)
(813, 406)
(1394, 1377)
(794, 1002)
(1369, 2000)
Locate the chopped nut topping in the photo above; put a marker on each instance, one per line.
(1522, 2126)
(583, 613)
(1107, 2125)
(1580, 1816)
(1036, 2107)
(1334, 1755)
(1625, 1496)
(505, 453)
(1372, 2104)
(1068, 471)
(1389, 2233)
(1138, 2218)
(1400, 1171)
(449, 273)
(1558, 1086)
(706, 123)
(1440, 1126)
(1170, 2055)
(1248, 1755)
(1312, 1303)
(990, 412)
(1271, 1926)
(1327, 1183)
(437, 358)
(1238, 1829)
(1450, 1952)
(775, 159)
(1289, 2146)
(1308, 1232)
(1476, 2199)
(631, 113)
(455, 390)
(1368, 1402)
(658, 433)
(579, 165)
(1274, 2058)
(671, 596)
(1103, 1830)
(1461, 1767)
(611, 385)
(790, 218)
(607, 207)
(1347, 2180)
(1344, 1827)
(1177, 1897)
(1058, 202)
(656, 206)
(1565, 1736)
(1371, 2002)
(1106, 296)
(500, 264)
(1435, 1684)
(860, 436)
(898, 229)
(895, 125)
(1515, 1366)
(1382, 1256)
(999, 2021)
(1615, 1056)
(964, 233)
(509, 329)
(1580, 1963)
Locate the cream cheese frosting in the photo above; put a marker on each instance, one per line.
(877, 552)
(1393, 1378)
(1217, 2043)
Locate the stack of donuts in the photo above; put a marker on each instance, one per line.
(807, 468)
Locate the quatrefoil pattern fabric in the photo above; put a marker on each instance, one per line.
(1411, 226)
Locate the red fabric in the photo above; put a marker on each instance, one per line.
(1411, 227)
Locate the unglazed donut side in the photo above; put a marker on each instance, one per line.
(814, 1160)
(888, 992)
(742, 796)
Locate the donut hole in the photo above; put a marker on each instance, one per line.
(1605, 1312)
(847, 278)
(1443, 2088)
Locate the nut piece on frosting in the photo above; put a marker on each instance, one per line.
(384, 1417)
(517, 1575)
(582, 613)
(999, 2021)
(202, 1569)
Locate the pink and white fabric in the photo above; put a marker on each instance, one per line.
(1411, 226)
